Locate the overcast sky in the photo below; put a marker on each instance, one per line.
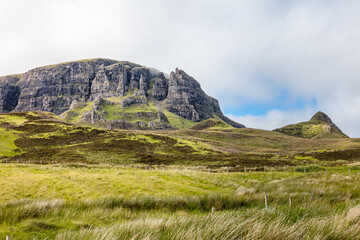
(269, 63)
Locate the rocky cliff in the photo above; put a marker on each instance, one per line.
(101, 90)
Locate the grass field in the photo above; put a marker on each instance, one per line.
(63, 181)
(103, 202)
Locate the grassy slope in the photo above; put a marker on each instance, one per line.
(44, 138)
(58, 202)
(116, 112)
(312, 129)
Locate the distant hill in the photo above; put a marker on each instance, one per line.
(319, 126)
(112, 94)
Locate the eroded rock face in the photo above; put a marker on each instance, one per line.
(160, 89)
(187, 99)
(9, 93)
(110, 81)
(56, 88)
(53, 88)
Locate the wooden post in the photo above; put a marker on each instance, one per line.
(6, 160)
(349, 171)
(264, 169)
(245, 169)
(41, 162)
(29, 161)
(17, 161)
(212, 210)
(304, 170)
(284, 169)
(7, 237)
(290, 202)
(266, 201)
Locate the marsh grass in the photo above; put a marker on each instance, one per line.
(98, 202)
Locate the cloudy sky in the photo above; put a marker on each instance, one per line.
(269, 63)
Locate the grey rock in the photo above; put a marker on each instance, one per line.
(133, 101)
(9, 93)
(59, 87)
(154, 125)
(160, 89)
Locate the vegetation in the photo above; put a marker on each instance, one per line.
(63, 181)
(320, 126)
(43, 138)
(99, 202)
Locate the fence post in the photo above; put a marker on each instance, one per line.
(7, 238)
(266, 201)
(290, 202)
(349, 171)
(212, 210)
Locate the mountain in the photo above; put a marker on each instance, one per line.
(112, 94)
(319, 126)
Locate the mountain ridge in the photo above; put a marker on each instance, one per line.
(105, 85)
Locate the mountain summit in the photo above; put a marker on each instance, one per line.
(319, 126)
(112, 94)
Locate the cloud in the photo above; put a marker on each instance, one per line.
(241, 51)
(274, 118)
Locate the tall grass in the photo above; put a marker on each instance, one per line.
(325, 205)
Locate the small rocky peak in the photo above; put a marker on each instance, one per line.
(322, 117)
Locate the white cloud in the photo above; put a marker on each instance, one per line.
(275, 118)
(237, 49)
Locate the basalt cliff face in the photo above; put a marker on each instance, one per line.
(117, 94)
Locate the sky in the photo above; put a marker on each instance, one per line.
(269, 63)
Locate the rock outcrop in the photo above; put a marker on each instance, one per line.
(58, 87)
(187, 99)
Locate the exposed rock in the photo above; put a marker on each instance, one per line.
(58, 88)
(9, 93)
(188, 100)
(158, 126)
(133, 101)
(160, 89)
(322, 117)
(110, 81)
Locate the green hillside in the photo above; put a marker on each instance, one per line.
(320, 126)
(42, 137)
